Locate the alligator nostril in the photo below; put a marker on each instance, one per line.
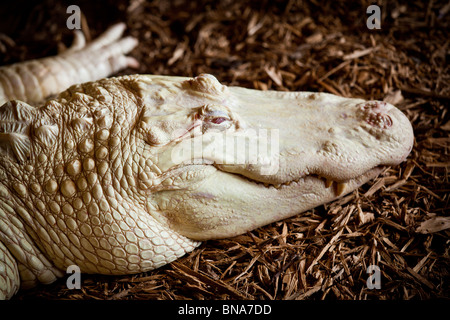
(375, 114)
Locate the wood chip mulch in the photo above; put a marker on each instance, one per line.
(399, 222)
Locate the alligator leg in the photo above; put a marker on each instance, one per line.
(21, 262)
(9, 274)
(34, 81)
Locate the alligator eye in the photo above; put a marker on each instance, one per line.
(219, 120)
(213, 118)
(216, 117)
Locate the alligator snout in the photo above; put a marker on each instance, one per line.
(376, 114)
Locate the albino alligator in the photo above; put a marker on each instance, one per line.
(102, 176)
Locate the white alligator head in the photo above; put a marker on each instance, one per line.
(231, 159)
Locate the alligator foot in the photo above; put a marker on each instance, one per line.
(34, 81)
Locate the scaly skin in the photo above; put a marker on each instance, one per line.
(104, 177)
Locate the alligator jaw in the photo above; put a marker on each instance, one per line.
(340, 187)
(220, 211)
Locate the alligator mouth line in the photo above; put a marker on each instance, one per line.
(339, 186)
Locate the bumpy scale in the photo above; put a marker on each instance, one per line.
(72, 202)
